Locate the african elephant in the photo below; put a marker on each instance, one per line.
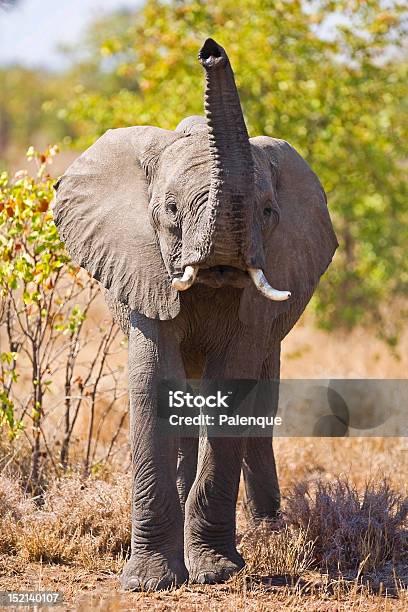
(183, 228)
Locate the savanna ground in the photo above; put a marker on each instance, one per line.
(341, 544)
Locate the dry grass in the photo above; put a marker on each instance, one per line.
(79, 522)
(78, 539)
(343, 546)
(14, 507)
(350, 530)
(283, 552)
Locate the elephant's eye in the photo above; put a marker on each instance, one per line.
(171, 206)
(270, 215)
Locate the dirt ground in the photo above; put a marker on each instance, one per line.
(84, 590)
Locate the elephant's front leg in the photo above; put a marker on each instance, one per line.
(211, 554)
(156, 560)
(210, 526)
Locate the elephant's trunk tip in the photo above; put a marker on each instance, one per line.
(212, 54)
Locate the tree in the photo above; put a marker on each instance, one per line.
(337, 96)
(25, 97)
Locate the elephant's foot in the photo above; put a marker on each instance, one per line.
(272, 519)
(207, 566)
(152, 571)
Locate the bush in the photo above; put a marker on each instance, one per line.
(349, 529)
(45, 303)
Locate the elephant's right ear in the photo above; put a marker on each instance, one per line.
(101, 212)
(300, 247)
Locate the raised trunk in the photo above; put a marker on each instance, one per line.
(232, 175)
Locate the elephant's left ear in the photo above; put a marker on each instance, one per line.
(300, 248)
(101, 212)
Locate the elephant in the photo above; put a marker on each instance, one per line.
(189, 232)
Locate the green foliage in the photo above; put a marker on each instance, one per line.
(31, 251)
(31, 258)
(44, 304)
(27, 104)
(327, 76)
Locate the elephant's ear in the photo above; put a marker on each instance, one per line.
(101, 212)
(300, 248)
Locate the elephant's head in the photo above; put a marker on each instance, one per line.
(150, 212)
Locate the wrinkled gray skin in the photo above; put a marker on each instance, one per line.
(135, 209)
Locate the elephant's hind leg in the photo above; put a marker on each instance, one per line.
(259, 468)
(261, 481)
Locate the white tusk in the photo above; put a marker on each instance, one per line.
(184, 282)
(264, 287)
